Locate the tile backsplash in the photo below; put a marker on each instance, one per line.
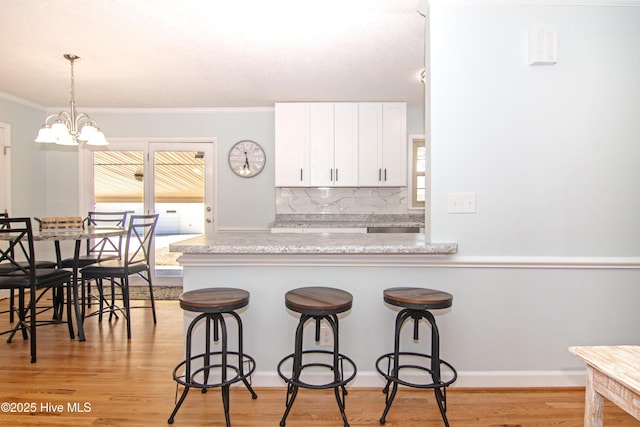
(380, 200)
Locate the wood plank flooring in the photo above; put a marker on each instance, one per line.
(109, 381)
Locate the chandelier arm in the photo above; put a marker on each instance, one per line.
(51, 117)
(63, 117)
(79, 120)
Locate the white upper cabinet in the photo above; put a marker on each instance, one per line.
(382, 144)
(292, 144)
(346, 144)
(333, 136)
(345, 159)
(321, 140)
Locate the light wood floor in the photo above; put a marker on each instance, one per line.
(129, 383)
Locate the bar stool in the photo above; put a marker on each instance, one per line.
(416, 303)
(317, 303)
(214, 303)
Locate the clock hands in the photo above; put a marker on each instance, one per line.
(246, 161)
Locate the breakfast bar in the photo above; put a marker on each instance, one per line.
(268, 265)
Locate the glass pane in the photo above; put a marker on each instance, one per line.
(179, 198)
(420, 159)
(420, 188)
(118, 178)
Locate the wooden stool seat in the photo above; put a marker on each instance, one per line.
(418, 298)
(214, 300)
(318, 301)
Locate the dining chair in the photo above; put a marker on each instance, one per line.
(8, 267)
(17, 250)
(135, 261)
(104, 249)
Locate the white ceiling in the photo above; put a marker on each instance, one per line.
(211, 53)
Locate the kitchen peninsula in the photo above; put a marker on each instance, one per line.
(268, 265)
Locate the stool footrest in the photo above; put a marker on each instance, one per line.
(342, 359)
(392, 376)
(238, 374)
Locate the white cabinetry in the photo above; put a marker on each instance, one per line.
(321, 144)
(345, 158)
(333, 136)
(292, 144)
(344, 144)
(382, 144)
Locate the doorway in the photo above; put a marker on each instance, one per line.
(173, 179)
(5, 175)
(5, 168)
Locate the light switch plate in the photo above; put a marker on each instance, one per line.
(461, 202)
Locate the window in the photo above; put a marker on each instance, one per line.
(418, 168)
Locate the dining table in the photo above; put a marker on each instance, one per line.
(76, 235)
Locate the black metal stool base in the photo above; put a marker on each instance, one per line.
(217, 370)
(394, 379)
(430, 365)
(338, 363)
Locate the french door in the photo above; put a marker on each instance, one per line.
(173, 179)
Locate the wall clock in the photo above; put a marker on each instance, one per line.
(247, 158)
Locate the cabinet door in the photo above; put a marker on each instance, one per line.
(370, 144)
(321, 137)
(345, 162)
(394, 144)
(291, 144)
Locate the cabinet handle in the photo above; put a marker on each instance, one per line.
(336, 174)
(385, 174)
(300, 174)
(331, 174)
(379, 174)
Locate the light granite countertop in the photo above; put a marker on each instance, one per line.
(315, 243)
(347, 221)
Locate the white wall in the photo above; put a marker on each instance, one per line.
(29, 165)
(552, 152)
(551, 258)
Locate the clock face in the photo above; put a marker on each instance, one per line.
(246, 158)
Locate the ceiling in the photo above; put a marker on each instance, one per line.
(211, 53)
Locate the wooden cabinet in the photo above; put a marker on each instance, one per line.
(344, 144)
(382, 139)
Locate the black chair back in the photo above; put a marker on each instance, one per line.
(17, 237)
(139, 241)
(108, 247)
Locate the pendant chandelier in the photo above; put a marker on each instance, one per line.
(64, 128)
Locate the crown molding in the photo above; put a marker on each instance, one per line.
(17, 100)
(125, 110)
(12, 98)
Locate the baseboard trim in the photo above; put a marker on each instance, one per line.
(466, 379)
